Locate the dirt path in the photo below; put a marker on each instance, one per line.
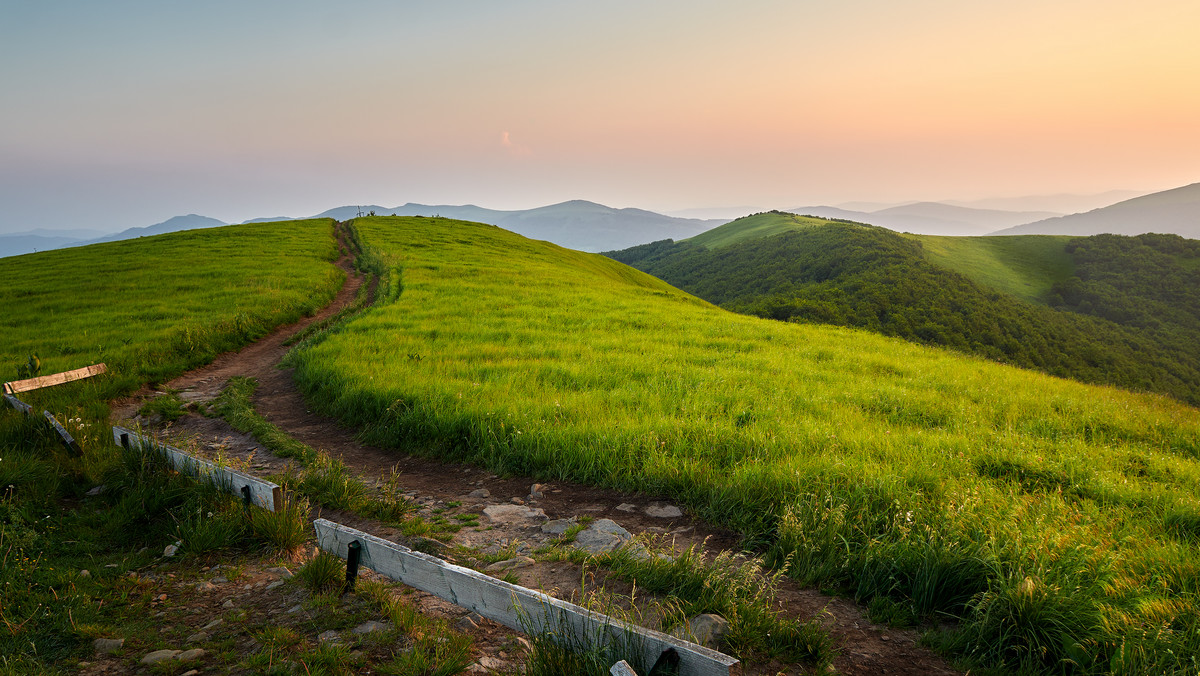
(450, 489)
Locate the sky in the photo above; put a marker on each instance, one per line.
(124, 113)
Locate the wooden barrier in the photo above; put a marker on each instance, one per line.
(67, 439)
(54, 379)
(262, 493)
(18, 404)
(513, 606)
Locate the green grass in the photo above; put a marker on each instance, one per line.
(858, 462)
(154, 307)
(755, 226)
(150, 308)
(1025, 266)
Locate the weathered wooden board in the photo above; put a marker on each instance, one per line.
(18, 404)
(516, 607)
(262, 493)
(67, 439)
(54, 379)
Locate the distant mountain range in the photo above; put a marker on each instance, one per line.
(1169, 212)
(587, 226)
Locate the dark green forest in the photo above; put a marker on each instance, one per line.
(1130, 316)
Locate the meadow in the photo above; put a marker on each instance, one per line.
(150, 308)
(1039, 524)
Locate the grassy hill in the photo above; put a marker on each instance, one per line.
(1054, 523)
(1029, 301)
(150, 308)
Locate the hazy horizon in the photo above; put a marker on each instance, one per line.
(127, 113)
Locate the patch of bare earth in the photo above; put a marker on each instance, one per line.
(448, 490)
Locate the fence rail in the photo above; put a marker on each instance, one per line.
(265, 494)
(514, 606)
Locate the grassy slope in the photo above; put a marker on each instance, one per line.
(1024, 266)
(1057, 521)
(153, 307)
(150, 308)
(754, 227)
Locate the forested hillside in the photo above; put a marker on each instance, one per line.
(1127, 316)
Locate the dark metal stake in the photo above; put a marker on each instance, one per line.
(353, 556)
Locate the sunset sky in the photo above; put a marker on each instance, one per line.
(124, 113)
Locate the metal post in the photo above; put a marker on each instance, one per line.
(353, 556)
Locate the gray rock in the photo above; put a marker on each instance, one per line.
(517, 501)
(536, 492)
(198, 637)
(604, 535)
(707, 630)
(465, 623)
(160, 656)
(220, 579)
(626, 507)
(275, 585)
(85, 573)
(228, 604)
(331, 636)
(663, 511)
(510, 564)
(488, 662)
(96, 491)
(188, 655)
(108, 645)
(205, 585)
(481, 493)
(281, 571)
(514, 514)
(559, 526)
(215, 623)
(371, 626)
(170, 550)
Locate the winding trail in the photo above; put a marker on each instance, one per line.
(865, 648)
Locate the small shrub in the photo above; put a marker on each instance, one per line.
(324, 574)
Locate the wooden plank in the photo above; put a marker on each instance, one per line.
(18, 404)
(28, 384)
(517, 607)
(262, 493)
(67, 439)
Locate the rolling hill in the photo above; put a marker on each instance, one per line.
(1017, 300)
(1050, 521)
(1171, 211)
(931, 218)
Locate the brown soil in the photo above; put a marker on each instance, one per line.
(439, 488)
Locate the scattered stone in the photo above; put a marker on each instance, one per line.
(191, 672)
(188, 655)
(536, 492)
(330, 636)
(517, 501)
(559, 526)
(480, 493)
(275, 585)
(663, 511)
(510, 564)
(108, 645)
(85, 573)
(657, 530)
(205, 585)
(160, 656)
(215, 623)
(296, 608)
(626, 507)
(198, 637)
(884, 637)
(604, 535)
(513, 513)
(170, 550)
(371, 626)
(228, 604)
(682, 530)
(281, 571)
(488, 662)
(465, 623)
(96, 491)
(707, 630)
(220, 579)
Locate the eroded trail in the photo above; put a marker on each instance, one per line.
(447, 490)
